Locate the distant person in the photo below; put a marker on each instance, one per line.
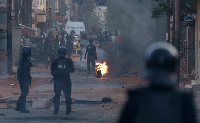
(161, 102)
(62, 38)
(24, 78)
(60, 69)
(69, 45)
(90, 52)
(89, 36)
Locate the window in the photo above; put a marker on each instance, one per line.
(38, 1)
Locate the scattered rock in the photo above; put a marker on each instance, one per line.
(46, 96)
(12, 104)
(41, 103)
(102, 106)
(106, 99)
(122, 86)
(3, 100)
(3, 105)
(73, 100)
(2, 114)
(16, 93)
(1, 96)
(6, 99)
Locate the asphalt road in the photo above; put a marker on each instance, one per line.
(87, 91)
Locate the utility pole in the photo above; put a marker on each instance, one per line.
(177, 26)
(16, 13)
(50, 14)
(9, 37)
(168, 24)
(23, 12)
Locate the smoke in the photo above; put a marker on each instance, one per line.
(137, 30)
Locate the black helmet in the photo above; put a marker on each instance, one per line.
(90, 41)
(26, 51)
(62, 51)
(161, 55)
(161, 60)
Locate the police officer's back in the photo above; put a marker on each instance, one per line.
(160, 102)
(60, 69)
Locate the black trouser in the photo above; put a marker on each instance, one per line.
(65, 85)
(92, 60)
(24, 87)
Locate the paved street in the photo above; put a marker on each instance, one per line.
(87, 94)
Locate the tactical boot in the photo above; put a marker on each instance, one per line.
(17, 109)
(68, 107)
(24, 111)
(55, 112)
(18, 106)
(68, 112)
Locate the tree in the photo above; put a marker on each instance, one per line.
(187, 7)
(96, 2)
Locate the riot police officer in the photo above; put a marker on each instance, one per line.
(24, 78)
(160, 102)
(60, 69)
(90, 52)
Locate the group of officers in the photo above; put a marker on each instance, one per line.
(160, 102)
(61, 68)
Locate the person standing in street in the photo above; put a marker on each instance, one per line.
(60, 70)
(160, 102)
(90, 52)
(24, 78)
(69, 45)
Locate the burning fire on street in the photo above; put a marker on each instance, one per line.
(101, 69)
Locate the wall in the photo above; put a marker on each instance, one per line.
(16, 36)
(197, 42)
(3, 63)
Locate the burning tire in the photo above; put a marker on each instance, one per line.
(101, 69)
(98, 75)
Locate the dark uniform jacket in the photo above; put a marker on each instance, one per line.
(158, 105)
(68, 63)
(23, 71)
(91, 49)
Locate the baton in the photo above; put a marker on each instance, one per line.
(52, 80)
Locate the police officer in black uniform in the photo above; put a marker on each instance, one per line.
(60, 69)
(160, 102)
(24, 78)
(90, 52)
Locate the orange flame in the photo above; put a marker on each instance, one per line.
(102, 67)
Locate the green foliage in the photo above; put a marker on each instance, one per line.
(161, 9)
(187, 7)
(93, 20)
(79, 1)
